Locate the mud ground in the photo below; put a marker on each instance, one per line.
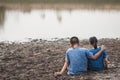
(38, 59)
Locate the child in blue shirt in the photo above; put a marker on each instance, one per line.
(76, 60)
(99, 63)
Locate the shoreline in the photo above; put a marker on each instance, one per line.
(51, 39)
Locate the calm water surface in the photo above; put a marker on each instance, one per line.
(18, 25)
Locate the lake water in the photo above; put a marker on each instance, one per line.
(16, 25)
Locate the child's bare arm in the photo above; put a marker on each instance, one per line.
(107, 60)
(63, 69)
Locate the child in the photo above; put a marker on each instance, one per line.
(76, 58)
(98, 64)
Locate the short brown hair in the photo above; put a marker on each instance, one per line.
(74, 40)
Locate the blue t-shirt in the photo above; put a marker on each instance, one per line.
(78, 59)
(98, 64)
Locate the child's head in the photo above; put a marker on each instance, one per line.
(93, 41)
(74, 41)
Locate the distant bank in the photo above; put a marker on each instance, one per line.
(114, 2)
(61, 4)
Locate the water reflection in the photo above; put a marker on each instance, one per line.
(2, 17)
(43, 15)
(59, 16)
(19, 25)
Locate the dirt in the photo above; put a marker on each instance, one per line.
(39, 59)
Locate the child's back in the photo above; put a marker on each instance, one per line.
(97, 64)
(78, 60)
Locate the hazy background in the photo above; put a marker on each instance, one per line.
(47, 19)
